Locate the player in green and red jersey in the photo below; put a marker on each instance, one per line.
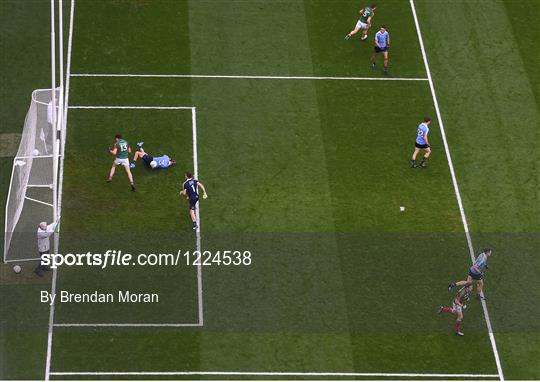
(121, 151)
(364, 22)
(458, 305)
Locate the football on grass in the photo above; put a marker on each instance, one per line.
(17, 269)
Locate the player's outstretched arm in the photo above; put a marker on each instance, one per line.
(113, 151)
(203, 189)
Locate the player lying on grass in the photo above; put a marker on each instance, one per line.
(458, 306)
(121, 151)
(154, 162)
(382, 44)
(363, 23)
(422, 143)
(476, 274)
(190, 189)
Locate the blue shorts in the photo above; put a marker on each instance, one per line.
(193, 203)
(476, 276)
(147, 159)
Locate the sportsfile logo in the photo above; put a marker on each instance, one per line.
(113, 257)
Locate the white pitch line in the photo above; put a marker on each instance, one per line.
(60, 183)
(456, 187)
(269, 373)
(128, 325)
(330, 78)
(198, 237)
(133, 107)
(198, 217)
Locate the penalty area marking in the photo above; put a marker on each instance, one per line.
(200, 322)
(263, 373)
(456, 186)
(254, 77)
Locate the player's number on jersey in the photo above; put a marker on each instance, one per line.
(123, 147)
(193, 188)
(365, 14)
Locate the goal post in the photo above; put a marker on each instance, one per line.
(33, 180)
(34, 187)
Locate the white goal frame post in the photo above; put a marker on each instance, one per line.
(36, 163)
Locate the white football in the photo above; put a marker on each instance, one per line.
(35, 152)
(153, 164)
(17, 269)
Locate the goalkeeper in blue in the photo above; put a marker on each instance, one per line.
(476, 274)
(154, 162)
(190, 189)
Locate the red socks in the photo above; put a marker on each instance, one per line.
(446, 309)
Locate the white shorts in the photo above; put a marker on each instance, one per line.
(457, 308)
(361, 25)
(123, 162)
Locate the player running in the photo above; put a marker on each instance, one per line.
(121, 151)
(382, 44)
(154, 162)
(364, 22)
(190, 189)
(476, 274)
(457, 307)
(422, 143)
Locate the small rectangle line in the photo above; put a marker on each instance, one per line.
(126, 324)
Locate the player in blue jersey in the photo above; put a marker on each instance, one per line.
(382, 44)
(154, 162)
(422, 143)
(190, 189)
(476, 273)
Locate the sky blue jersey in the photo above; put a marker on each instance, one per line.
(479, 264)
(423, 130)
(163, 161)
(382, 38)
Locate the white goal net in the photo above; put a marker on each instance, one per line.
(30, 195)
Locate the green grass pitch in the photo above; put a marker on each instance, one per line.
(309, 175)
